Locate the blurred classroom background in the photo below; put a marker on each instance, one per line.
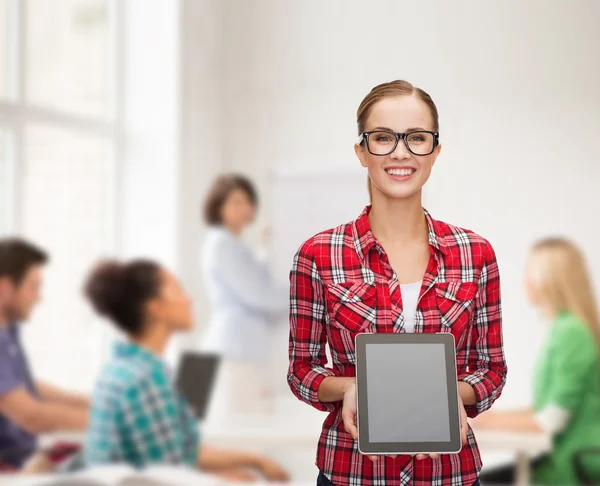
(117, 115)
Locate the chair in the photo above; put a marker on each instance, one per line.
(582, 472)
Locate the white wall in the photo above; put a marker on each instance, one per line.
(516, 86)
(150, 115)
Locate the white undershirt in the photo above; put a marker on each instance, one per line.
(410, 296)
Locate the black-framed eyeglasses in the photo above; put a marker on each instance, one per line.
(384, 142)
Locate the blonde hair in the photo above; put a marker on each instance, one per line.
(393, 89)
(562, 278)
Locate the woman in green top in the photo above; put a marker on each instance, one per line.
(567, 375)
(137, 416)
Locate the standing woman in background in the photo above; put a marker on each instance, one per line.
(394, 269)
(245, 301)
(567, 375)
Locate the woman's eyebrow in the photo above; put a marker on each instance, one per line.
(412, 129)
(383, 128)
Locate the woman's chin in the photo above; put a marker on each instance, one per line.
(396, 193)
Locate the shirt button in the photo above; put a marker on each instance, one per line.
(351, 295)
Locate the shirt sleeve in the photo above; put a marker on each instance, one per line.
(307, 330)
(249, 280)
(487, 367)
(151, 419)
(574, 355)
(9, 380)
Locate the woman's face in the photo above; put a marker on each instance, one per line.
(238, 211)
(172, 306)
(400, 174)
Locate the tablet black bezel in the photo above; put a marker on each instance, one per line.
(364, 444)
(198, 371)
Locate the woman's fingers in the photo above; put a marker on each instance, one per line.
(376, 458)
(349, 424)
(349, 412)
(464, 432)
(464, 425)
(420, 457)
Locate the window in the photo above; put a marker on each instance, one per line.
(6, 183)
(4, 41)
(67, 208)
(58, 140)
(67, 56)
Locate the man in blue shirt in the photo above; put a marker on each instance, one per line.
(27, 407)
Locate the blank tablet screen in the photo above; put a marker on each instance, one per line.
(413, 407)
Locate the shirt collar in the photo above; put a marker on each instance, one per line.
(364, 240)
(436, 236)
(133, 350)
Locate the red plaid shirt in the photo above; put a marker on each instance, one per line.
(341, 284)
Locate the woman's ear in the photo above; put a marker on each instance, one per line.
(360, 152)
(435, 154)
(153, 309)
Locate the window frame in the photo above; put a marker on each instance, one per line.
(16, 113)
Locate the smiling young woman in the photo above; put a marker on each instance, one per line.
(394, 269)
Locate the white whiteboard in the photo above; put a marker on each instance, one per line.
(306, 202)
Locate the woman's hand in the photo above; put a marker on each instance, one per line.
(273, 471)
(265, 236)
(238, 476)
(464, 424)
(349, 409)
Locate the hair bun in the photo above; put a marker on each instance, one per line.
(104, 287)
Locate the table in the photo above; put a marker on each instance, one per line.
(271, 431)
(525, 447)
(300, 432)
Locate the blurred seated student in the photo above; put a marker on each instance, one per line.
(245, 301)
(567, 376)
(137, 415)
(28, 407)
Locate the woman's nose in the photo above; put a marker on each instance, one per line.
(401, 151)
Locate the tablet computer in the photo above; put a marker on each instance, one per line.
(407, 393)
(195, 379)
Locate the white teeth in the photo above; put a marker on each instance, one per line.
(400, 172)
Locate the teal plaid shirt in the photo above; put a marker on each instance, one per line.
(137, 417)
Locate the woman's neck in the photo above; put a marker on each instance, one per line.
(234, 230)
(549, 311)
(398, 220)
(155, 339)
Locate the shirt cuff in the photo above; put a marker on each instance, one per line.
(7, 386)
(308, 388)
(482, 394)
(553, 418)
